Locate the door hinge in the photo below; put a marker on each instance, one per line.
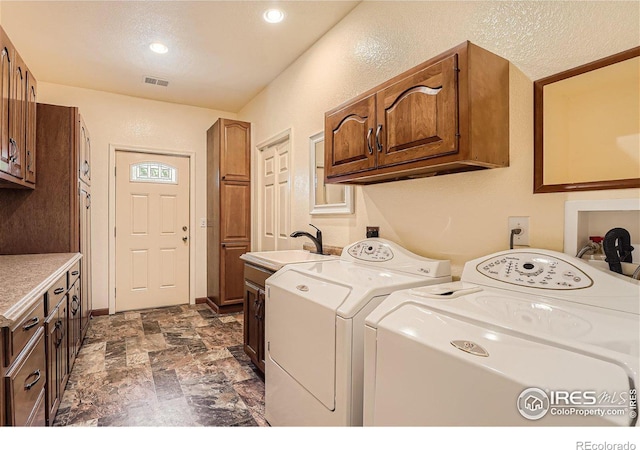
(115, 169)
(115, 290)
(114, 231)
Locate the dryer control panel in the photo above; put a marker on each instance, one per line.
(534, 270)
(371, 250)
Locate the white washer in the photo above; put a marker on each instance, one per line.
(464, 353)
(314, 329)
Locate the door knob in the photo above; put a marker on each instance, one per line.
(184, 228)
(184, 238)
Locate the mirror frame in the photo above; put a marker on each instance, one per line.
(333, 208)
(538, 139)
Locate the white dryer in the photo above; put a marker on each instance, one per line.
(527, 337)
(314, 329)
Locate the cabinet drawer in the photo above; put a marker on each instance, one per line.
(25, 381)
(74, 273)
(22, 331)
(256, 275)
(55, 293)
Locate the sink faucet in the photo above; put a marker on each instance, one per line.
(317, 240)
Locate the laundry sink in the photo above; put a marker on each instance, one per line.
(275, 260)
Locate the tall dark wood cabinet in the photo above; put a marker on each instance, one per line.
(56, 216)
(228, 212)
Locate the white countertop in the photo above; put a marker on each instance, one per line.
(275, 260)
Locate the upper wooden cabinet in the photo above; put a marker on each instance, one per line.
(349, 134)
(449, 114)
(18, 119)
(235, 150)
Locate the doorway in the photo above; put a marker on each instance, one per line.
(274, 193)
(152, 230)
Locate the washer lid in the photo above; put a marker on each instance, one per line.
(364, 282)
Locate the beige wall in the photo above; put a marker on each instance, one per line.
(459, 216)
(128, 121)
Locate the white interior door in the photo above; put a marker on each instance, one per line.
(274, 195)
(152, 234)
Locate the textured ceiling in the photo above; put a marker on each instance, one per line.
(221, 53)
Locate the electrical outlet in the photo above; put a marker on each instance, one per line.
(203, 223)
(523, 223)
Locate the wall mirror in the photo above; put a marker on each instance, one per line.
(330, 198)
(587, 126)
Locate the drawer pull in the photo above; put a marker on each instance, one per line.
(32, 323)
(58, 291)
(28, 386)
(75, 272)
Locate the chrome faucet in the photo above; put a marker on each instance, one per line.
(317, 240)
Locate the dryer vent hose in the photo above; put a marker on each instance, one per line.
(617, 248)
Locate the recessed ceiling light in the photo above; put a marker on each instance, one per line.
(159, 48)
(273, 15)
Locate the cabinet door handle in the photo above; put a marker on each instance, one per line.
(369, 141)
(36, 374)
(75, 303)
(32, 323)
(75, 272)
(60, 331)
(12, 151)
(256, 307)
(378, 144)
(58, 291)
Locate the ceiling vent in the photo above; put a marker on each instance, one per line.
(156, 81)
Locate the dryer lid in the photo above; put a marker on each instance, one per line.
(462, 361)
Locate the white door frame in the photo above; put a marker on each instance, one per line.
(112, 214)
(255, 192)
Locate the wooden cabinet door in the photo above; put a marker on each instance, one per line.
(74, 322)
(349, 138)
(52, 341)
(251, 322)
(17, 117)
(232, 273)
(235, 211)
(30, 130)
(235, 150)
(63, 361)
(85, 262)
(84, 146)
(418, 115)
(5, 100)
(57, 357)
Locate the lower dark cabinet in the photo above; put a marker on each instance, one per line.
(254, 307)
(25, 386)
(56, 330)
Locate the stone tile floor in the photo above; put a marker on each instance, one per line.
(175, 366)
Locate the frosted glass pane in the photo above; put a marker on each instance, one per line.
(153, 172)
